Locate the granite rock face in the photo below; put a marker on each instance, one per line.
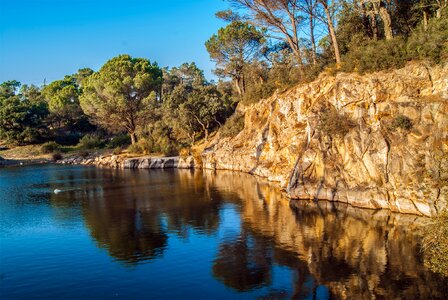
(159, 163)
(379, 162)
(120, 162)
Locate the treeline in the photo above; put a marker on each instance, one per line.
(157, 110)
(273, 44)
(267, 45)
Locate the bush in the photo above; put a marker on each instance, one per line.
(332, 123)
(431, 44)
(435, 244)
(372, 56)
(121, 140)
(117, 151)
(50, 147)
(169, 150)
(91, 141)
(57, 156)
(134, 148)
(402, 122)
(257, 92)
(233, 125)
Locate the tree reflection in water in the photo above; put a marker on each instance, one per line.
(331, 250)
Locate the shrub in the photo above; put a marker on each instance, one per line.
(117, 150)
(371, 56)
(91, 141)
(50, 147)
(134, 148)
(121, 140)
(333, 123)
(169, 150)
(57, 156)
(431, 44)
(435, 244)
(402, 122)
(233, 125)
(257, 92)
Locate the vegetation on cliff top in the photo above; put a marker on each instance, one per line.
(266, 46)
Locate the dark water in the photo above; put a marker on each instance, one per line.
(195, 235)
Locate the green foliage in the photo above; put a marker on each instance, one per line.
(91, 141)
(121, 140)
(134, 148)
(117, 150)
(233, 125)
(50, 147)
(22, 114)
(62, 94)
(370, 56)
(402, 122)
(194, 112)
(232, 48)
(120, 95)
(435, 244)
(332, 123)
(66, 115)
(431, 44)
(187, 74)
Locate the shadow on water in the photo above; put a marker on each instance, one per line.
(331, 250)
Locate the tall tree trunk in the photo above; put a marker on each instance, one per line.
(313, 40)
(441, 4)
(133, 137)
(387, 22)
(373, 25)
(237, 86)
(337, 54)
(425, 20)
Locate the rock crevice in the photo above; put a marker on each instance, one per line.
(377, 163)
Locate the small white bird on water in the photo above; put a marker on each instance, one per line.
(57, 191)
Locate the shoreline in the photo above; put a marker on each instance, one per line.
(179, 162)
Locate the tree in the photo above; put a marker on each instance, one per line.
(62, 97)
(309, 7)
(331, 29)
(232, 48)
(282, 18)
(186, 74)
(22, 114)
(81, 75)
(120, 95)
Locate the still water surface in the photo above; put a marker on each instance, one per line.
(181, 234)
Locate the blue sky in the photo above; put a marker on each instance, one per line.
(51, 38)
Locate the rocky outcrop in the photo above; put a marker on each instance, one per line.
(110, 161)
(381, 160)
(121, 162)
(159, 163)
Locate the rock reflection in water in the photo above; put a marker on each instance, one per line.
(329, 248)
(356, 253)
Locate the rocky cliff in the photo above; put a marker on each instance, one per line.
(373, 141)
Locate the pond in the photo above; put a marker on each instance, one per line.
(72, 232)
